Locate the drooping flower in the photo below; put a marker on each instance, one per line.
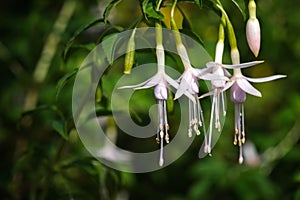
(218, 101)
(240, 86)
(188, 84)
(160, 82)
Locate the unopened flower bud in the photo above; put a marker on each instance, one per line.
(129, 58)
(253, 35)
(253, 29)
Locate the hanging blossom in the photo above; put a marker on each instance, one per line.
(188, 84)
(239, 86)
(188, 81)
(217, 86)
(218, 89)
(160, 81)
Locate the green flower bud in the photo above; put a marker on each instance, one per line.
(129, 57)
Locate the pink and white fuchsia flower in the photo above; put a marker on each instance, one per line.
(160, 81)
(218, 101)
(240, 86)
(188, 84)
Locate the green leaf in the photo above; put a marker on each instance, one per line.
(40, 108)
(198, 3)
(109, 46)
(88, 47)
(85, 164)
(62, 82)
(193, 35)
(108, 9)
(60, 127)
(78, 32)
(170, 102)
(149, 10)
(240, 4)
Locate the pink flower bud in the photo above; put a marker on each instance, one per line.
(253, 35)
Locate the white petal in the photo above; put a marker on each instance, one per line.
(161, 91)
(151, 83)
(211, 77)
(228, 85)
(154, 80)
(207, 94)
(185, 83)
(247, 87)
(213, 64)
(265, 79)
(199, 72)
(175, 85)
(135, 86)
(183, 87)
(242, 65)
(172, 82)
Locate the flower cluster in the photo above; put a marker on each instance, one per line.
(217, 73)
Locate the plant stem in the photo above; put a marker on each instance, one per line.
(49, 50)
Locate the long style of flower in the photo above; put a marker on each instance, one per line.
(240, 86)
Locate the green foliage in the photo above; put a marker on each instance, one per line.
(108, 8)
(149, 10)
(79, 31)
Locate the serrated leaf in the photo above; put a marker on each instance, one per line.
(150, 11)
(108, 9)
(78, 32)
(240, 4)
(62, 82)
(60, 127)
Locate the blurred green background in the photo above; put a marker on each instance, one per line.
(42, 156)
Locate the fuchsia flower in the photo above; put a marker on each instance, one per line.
(160, 82)
(218, 102)
(240, 86)
(188, 84)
